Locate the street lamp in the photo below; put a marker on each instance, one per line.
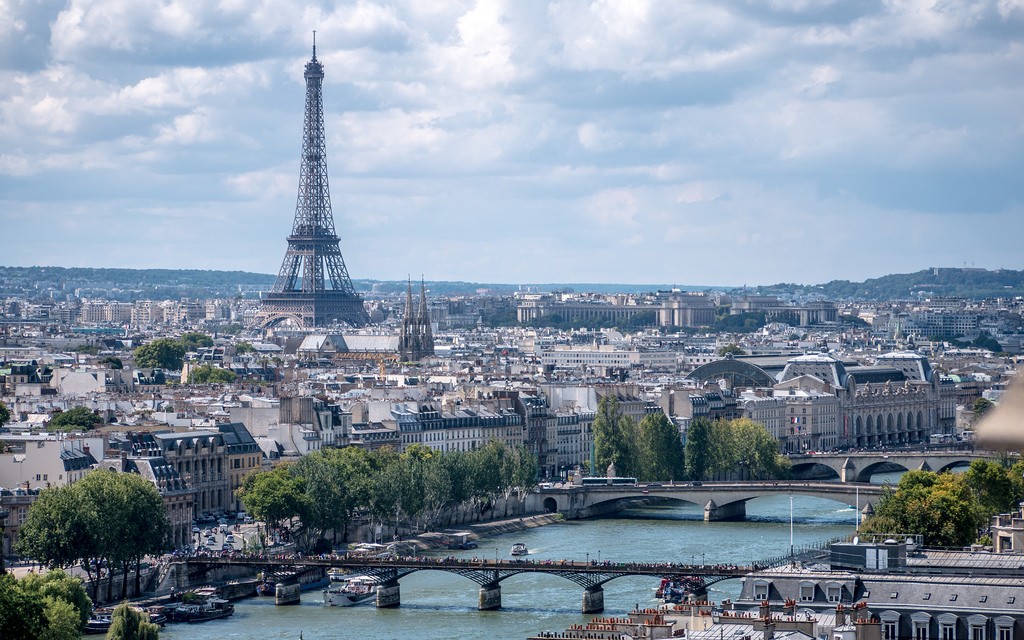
(495, 555)
(598, 556)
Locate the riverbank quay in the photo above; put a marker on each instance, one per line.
(439, 539)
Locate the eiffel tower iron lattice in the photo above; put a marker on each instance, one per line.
(313, 288)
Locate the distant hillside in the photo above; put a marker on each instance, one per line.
(55, 283)
(973, 284)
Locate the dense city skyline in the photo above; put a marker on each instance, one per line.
(722, 144)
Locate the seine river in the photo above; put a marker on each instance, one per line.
(438, 605)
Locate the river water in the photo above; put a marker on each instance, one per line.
(438, 605)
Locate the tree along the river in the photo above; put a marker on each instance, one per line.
(698, 448)
(741, 449)
(615, 439)
(128, 623)
(106, 520)
(661, 449)
(316, 498)
(938, 506)
(51, 606)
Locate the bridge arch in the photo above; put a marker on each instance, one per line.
(952, 465)
(550, 505)
(882, 466)
(813, 469)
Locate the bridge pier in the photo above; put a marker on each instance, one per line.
(593, 600)
(732, 511)
(490, 597)
(389, 595)
(848, 473)
(286, 593)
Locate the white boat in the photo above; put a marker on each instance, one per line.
(519, 549)
(350, 591)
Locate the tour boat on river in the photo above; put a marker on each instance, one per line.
(350, 591)
(519, 549)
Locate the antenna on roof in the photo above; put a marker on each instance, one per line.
(314, 44)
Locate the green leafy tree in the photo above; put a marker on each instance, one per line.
(5, 414)
(993, 487)
(106, 519)
(661, 449)
(113, 361)
(128, 623)
(615, 439)
(61, 586)
(60, 620)
(754, 451)
(941, 507)
(698, 448)
(57, 531)
(273, 496)
(208, 374)
(731, 349)
(21, 614)
(980, 407)
(165, 353)
(244, 347)
(192, 341)
(74, 419)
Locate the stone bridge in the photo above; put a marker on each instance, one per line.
(720, 500)
(860, 466)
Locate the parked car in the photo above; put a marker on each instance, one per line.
(229, 539)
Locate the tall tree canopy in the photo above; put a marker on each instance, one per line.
(940, 507)
(105, 519)
(615, 439)
(661, 449)
(74, 419)
(319, 495)
(165, 353)
(51, 606)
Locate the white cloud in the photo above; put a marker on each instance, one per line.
(502, 140)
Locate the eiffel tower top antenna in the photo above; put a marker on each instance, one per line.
(314, 44)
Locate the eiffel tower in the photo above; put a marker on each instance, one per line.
(313, 288)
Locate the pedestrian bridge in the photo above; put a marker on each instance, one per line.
(720, 500)
(591, 575)
(861, 465)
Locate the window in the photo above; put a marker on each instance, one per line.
(952, 598)
(927, 596)
(1004, 633)
(983, 599)
(806, 592)
(894, 595)
(946, 631)
(761, 591)
(834, 593)
(977, 632)
(920, 630)
(889, 630)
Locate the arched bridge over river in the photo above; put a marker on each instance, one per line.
(859, 466)
(489, 574)
(720, 500)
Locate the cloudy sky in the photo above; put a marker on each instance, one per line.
(632, 141)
